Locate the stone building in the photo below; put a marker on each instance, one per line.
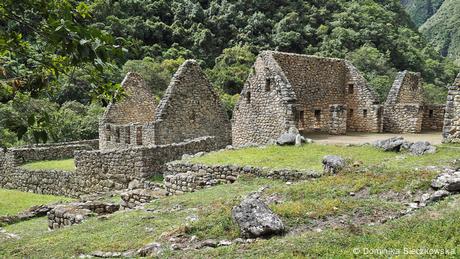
(310, 93)
(189, 109)
(451, 131)
(405, 110)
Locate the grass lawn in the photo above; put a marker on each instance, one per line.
(65, 165)
(302, 204)
(310, 157)
(13, 202)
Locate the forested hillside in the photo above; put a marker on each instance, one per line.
(421, 10)
(443, 29)
(56, 52)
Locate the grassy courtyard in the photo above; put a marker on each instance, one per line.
(13, 202)
(65, 165)
(310, 157)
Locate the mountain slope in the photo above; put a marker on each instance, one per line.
(443, 29)
(421, 10)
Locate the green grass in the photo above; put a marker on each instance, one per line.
(310, 157)
(303, 203)
(65, 165)
(13, 202)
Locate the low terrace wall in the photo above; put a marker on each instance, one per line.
(187, 177)
(99, 171)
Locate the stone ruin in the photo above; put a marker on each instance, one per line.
(311, 93)
(451, 131)
(405, 110)
(189, 109)
(316, 94)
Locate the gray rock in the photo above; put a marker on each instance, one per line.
(421, 148)
(391, 144)
(150, 249)
(286, 139)
(134, 184)
(333, 164)
(439, 195)
(255, 218)
(440, 181)
(453, 185)
(447, 181)
(293, 130)
(299, 140)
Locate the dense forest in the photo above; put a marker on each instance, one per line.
(62, 60)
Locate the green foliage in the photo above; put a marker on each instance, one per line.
(232, 68)
(376, 67)
(421, 10)
(37, 120)
(443, 30)
(43, 39)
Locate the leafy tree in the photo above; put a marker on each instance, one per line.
(232, 69)
(42, 39)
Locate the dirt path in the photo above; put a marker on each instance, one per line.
(361, 138)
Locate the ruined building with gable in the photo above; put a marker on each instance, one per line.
(189, 109)
(316, 94)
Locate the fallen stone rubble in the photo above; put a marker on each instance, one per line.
(398, 144)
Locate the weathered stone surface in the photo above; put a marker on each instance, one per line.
(333, 164)
(310, 93)
(438, 195)
(189, 100)
(137, 197)
(451, 130)
(391, 144)
(76, 212)
(403, 110)
(449, 181)
(255, 218)
(34, 211)
(286, 139)
(421, 148)
(186, 177)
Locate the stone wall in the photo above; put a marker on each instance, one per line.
(54, 182)
(403, 111)
(433, 117)
(190, 109)
(286, 90)
(118, 126)
(56, 151)
(101, 171)
(451, 131)
(185, 177)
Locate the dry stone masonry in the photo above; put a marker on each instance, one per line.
(181, 177)
(451, 131)
(311, 93)
(189, 109)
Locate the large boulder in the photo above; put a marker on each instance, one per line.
(255, 218)
(286, 139)
(421, 148)
(333, 164)
(391, 144)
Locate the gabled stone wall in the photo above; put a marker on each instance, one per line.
(288, 90)
(120, 123)
(190, 109)
(265, 108)
(451, 131)
(403, 111)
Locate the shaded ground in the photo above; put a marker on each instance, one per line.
(361, 138)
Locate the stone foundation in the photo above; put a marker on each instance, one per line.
(75, 213)
(101, 171)
(185, 177)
